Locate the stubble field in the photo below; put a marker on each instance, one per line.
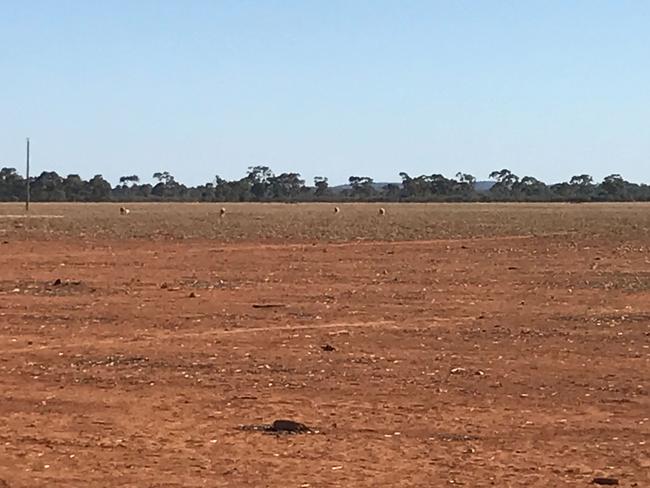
(469, 345)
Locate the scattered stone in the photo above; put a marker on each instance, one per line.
(164, 286)
(60, 282)
(453, 437)
(328, 348)
(604, 481)
(192, 295)
(281, 426)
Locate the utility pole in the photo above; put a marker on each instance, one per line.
(27, 195)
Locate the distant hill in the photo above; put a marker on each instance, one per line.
(480, 186)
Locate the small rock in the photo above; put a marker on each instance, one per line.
(604, 481)
(57, 282)
(328, 348)
(280, 427)
(193, 295)
(288, 427)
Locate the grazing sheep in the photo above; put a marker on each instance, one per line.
(222, 212)
(337, 210)
(382, 211)
(124, 211)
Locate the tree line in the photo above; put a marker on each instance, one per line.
(261, 184)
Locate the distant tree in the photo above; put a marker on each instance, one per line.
(241, 190)
(408, 187)
(164, 177)
(391, 192)
(466, 179)
(12, 185)
(99, 189)
(221, 190)
(581, 180)
(580, 187)
(466, 185)
(133, 179)
(439, 185)
(285, 186)
(530, 189)
(259, 174)
(259, 177)
(322, 186)
(76, 189)
(48, 187)
(505, 181)
(362, 187)
(614, 187)
(418, 188)
(167, 187)
(142, 192)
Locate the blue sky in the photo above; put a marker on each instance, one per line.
(544, 88)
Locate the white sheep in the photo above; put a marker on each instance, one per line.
(222, 212)
(382, 211)
(124, 211)
(337, 210)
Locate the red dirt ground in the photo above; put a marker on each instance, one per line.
(504, 361)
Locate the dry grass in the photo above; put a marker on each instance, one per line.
(308, 222)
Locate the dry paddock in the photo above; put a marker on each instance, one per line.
(473, 345)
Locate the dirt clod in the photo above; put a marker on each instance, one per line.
(604, 481)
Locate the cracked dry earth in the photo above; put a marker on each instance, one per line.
(499, 361)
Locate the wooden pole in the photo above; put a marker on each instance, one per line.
(27, 195)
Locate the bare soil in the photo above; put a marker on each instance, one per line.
(439, 345)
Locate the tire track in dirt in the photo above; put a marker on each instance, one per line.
(434, 322)
(207, 333)
(369, 243)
